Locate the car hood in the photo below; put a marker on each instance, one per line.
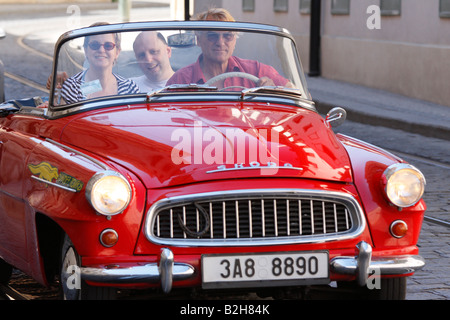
(173, 144)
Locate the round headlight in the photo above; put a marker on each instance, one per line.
(404, 184)
(108, 192)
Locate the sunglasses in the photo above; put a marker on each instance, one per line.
(95, 45)
(214, 36)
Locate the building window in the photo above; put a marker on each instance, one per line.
(390, 7)
(305, 6)
(340, 6)
(444, 8)
(280, 5)
(248, 5)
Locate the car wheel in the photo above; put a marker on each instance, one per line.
(72, 287)
(5, 272)
(391, 289)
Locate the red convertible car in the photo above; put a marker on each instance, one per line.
(206, 181)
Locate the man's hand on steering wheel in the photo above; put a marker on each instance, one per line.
(265, 81)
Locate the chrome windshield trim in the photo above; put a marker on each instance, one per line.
(359, 223)
(173, 25)
(129, 101)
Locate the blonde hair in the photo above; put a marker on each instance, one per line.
(117, 36)
(215, 14)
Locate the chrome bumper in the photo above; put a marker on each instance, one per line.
(362, 265)
(166, 271)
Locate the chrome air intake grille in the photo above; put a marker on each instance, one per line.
(252, 218)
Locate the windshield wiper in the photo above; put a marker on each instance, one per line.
(271, 89)
(175, 87)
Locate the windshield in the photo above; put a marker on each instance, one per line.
(112, 61)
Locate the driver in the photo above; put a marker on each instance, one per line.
(217, 58)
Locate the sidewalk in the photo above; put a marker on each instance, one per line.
(381, 108)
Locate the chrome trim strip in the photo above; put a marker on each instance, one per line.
(275, 217)
(54, 184)
(358, 225)
(263, 218)
(224, 221)
(211, 222)
(288, 218)
(139, 99)
(250, 217)
(300, 222)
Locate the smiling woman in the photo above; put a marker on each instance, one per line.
(98, 80)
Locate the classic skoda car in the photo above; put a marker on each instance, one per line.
(229, 183)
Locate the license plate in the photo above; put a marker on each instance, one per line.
(268, 269)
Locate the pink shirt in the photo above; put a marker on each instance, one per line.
(194, 74)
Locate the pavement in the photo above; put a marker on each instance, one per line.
(381, 108)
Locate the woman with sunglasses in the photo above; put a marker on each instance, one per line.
(98, 79)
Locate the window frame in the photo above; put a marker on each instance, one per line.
(248, 5)
(444, 13)
(280, 5)
(340, 7)
(305, 6)
(387, 7)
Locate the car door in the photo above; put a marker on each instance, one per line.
(16, 143)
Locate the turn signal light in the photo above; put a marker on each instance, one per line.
(109, 238)
(398, 229)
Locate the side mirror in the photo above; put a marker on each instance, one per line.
(336, 117)
(2, 33)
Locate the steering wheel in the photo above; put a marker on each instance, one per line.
(227, 75)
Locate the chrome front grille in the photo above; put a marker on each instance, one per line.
(254, 217)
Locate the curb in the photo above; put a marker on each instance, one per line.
(379, 120)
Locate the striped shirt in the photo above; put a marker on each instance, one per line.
(72, 89)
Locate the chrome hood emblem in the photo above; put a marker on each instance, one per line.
(254, 165)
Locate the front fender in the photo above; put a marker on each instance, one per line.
(369, 163)
(56, 188)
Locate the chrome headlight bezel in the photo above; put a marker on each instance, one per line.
(404, 185)
(98, 190)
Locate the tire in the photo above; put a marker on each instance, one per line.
(389, 289)
(392, 289)
(5, 272)
(72, 287)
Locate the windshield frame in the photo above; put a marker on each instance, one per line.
(61, 110)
